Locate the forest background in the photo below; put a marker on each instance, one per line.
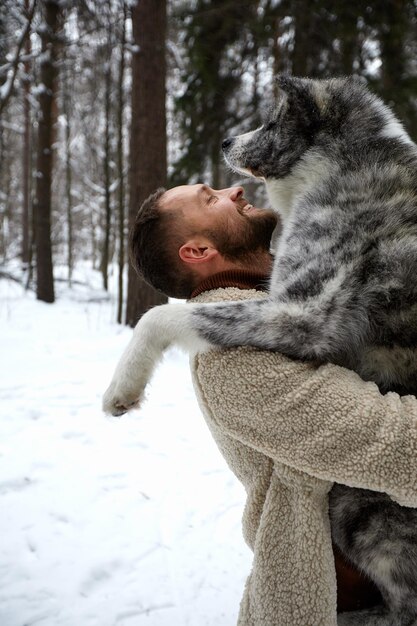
(102, 101)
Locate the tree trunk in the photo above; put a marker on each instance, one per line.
(66, 100)
(392, 36)
(302, 46)
(3, 77)
(107, 157)
(277, 57)
(26, 165)
(5, 196)
(120, 166)
(148, 166)
(48, 79)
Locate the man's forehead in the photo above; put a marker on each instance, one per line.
(175, 197)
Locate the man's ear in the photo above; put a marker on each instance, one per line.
(197, 251)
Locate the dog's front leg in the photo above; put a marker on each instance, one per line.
(158, 329)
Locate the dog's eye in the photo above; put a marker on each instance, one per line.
(270, 126)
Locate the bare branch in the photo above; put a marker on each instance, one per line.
(7, 89)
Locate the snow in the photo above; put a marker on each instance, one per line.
(106, 522)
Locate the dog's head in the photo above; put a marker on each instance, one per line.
(309, 114)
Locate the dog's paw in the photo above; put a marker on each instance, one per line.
(119, 399)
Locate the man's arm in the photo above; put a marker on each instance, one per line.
(324, 420)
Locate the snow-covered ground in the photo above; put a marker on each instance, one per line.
(106, 522)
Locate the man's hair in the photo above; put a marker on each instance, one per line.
(154, 241)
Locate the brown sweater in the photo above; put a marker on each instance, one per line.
(242, 279)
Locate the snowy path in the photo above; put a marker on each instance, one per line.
(128, 522)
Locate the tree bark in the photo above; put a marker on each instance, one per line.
(67, 106)
(26, 165)
(120, 167)
(48, 79)
(5, 196)
(392, 36)
(148, 164)
(302, 46)
(106, 167)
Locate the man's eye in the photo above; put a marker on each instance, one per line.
(211, 199)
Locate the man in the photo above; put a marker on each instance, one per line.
(287, 429)
(194, 233)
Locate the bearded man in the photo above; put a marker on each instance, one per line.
(287, 429)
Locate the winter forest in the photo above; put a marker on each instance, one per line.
(102, 101)
(135, 521)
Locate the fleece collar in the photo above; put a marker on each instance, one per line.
(242, 279)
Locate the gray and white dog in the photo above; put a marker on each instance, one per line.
(342, 172)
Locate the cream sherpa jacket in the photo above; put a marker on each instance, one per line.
(288, 430)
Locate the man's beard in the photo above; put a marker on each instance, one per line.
(250, 237)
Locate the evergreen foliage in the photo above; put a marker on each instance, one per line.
(216, 41)
(234, 49)
(222, 58)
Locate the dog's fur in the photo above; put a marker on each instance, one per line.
(342, 172)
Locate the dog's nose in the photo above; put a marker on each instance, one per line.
(227, 143)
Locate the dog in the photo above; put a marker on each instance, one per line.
(342, 172)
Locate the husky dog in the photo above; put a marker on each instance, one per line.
(342, 172)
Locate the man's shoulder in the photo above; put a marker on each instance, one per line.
(223, 294)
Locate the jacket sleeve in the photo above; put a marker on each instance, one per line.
(322, 420)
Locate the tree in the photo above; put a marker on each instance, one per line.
(148, 164)
(216, 43)
(222, 59)
(67, 109)
(26, 160)
(12, 67)
(395, 22)
(107, 158)
(120, 169)
(15, 27)
(47, 102)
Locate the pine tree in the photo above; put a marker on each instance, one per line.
(395, 23)
(148, 164)
(214, 37)
(47, 104)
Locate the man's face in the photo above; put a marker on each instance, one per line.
(224, 216)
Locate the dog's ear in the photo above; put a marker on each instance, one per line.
(301, 97)
(291, 86)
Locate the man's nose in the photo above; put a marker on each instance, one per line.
(235, 193)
